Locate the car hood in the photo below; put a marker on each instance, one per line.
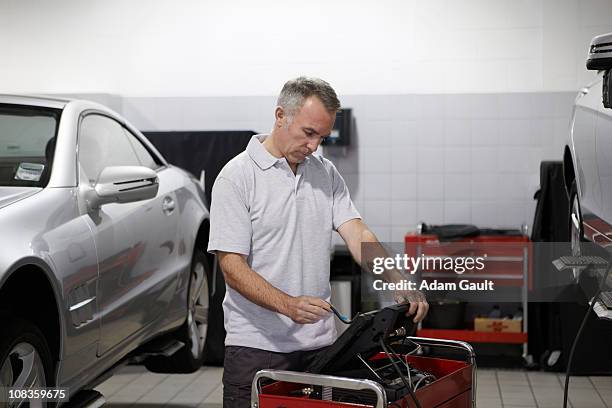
(10, 195)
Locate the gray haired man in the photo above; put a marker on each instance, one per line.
(273, 211)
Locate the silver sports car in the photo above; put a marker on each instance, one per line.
(101, 250)
(587, 160)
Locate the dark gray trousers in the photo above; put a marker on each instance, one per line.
(241, 364)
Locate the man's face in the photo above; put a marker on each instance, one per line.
(301, 136)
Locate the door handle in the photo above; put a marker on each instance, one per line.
(168, 205)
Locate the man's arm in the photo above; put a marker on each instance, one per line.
(355, 232)
(244, 280)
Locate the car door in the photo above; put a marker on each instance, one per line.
(131, 287)
(157, 229)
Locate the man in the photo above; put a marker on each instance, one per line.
(273, 211)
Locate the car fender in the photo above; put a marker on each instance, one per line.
(48, 272)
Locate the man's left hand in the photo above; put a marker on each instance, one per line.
(418, 303)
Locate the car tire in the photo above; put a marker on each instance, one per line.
(24, 350)
(214, 351)
(193, 333)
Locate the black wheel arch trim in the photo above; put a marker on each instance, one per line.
(40, 264)
(569, 174)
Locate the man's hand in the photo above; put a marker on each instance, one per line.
(418, 303)
(307, 309)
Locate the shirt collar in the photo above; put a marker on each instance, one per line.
(259, 154)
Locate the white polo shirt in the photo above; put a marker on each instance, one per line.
(283, 223)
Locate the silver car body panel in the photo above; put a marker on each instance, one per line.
(120, 274)
(42, 101)
(591, 149)
(583, 141)
(10, 195)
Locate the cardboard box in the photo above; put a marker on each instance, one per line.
(486, 324)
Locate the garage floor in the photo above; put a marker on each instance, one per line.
(135, 387)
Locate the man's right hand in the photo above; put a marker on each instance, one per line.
(307, 309)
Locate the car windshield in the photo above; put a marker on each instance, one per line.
(27, 144)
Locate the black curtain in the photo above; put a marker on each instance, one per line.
(550, 224)
(201, 150)
(553, 325)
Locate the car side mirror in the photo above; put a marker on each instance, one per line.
(600, 59)
(123, 184)
(600, 53)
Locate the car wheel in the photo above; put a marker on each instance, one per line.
(575, 222)
(25, 362)
(193, 332)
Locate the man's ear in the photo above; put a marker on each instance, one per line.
(280, 117)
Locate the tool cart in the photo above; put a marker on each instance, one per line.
(508, 264)
(375, 364)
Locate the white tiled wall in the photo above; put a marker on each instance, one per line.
(236, 47)
(470, 158)
(456, 158)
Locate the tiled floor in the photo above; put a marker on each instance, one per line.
(135, 387)
(509, 389)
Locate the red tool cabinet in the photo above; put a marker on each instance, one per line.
(455, 386)
(509, 263)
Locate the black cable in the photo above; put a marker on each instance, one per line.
(340, 316)
(399, 358)
(575, 343)
(573, 349)
(399, 372)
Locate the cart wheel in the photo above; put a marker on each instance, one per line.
(552, 361)
(530, 364)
